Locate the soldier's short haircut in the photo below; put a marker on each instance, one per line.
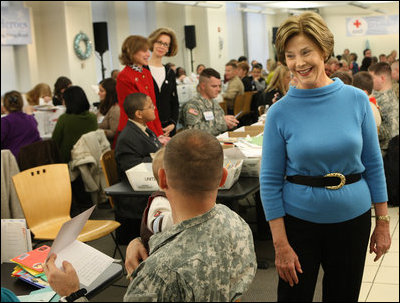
(381, 68)
(134, 102)
(193, 161)
(158, 162)
(364, 81)
(207, 73)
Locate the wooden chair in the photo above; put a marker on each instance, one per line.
(109, 166)
(223, 106)
(247, 98)
(238, 105)
(45, 196)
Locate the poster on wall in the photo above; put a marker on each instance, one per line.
(15, 25)
(373, 25)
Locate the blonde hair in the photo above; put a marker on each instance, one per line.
(131, 46)
(40, 90)
(158, 162)
(309, 24)
(173, 46)
(277, 80)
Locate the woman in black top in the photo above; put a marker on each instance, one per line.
(279, 84)
(164, 43)
(60, 86)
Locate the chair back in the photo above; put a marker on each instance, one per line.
(109, 166)
(44, 192)
(223, 106)
(38, 153)
(247, 98)
(238, 104)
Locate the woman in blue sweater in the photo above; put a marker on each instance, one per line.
(320, 127)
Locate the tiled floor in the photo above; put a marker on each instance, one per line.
(381, 278)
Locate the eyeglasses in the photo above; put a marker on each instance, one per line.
(151, 107)
(166, 45)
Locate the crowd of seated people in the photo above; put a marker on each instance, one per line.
(133, 115)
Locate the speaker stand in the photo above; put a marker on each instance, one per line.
(191, 59)
(103, 69)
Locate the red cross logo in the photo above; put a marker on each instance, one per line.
(357, 23)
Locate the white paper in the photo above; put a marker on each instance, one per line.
(88, 262)
(70, 230)
(14, 239)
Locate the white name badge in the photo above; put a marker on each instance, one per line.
(209, 115)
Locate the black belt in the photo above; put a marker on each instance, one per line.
(330, 181)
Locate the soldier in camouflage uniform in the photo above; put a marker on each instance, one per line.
(208, 255)
(388, 103)
(203, 111)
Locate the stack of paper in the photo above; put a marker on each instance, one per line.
(29, 268)
(15, 238)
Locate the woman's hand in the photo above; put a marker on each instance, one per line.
(287, 263)
(168, 129)
(163, 139)
(380, 239)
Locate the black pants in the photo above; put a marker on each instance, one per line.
(81, 199)
(340, 249)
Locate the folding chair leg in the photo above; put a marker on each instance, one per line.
(119, 250)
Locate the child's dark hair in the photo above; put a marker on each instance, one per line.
(133, 103)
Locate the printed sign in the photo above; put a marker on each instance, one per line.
(15, 26)
(374, 25)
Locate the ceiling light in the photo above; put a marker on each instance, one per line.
(268, 12)
(251, 10)
(191, 3)
(360, 5)
(208, 5)
(295, 4)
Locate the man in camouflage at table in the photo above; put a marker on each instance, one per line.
(208, 254)
(388, 103)
(203, 111)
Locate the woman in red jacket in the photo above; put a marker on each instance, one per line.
(134, 78)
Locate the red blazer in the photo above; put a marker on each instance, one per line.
(131, 81)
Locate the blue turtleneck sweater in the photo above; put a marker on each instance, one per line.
(312, 132)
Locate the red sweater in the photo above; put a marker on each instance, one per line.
(131, 81)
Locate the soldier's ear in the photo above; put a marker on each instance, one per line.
(163, 179)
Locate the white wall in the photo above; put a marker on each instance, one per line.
(234, 22)
(257, 38)
(8, 69)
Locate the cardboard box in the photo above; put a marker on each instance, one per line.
(234, 168)
(257, 128)
(141, 177)
(244, 134)
(250, 166)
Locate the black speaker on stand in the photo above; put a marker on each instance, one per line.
(190, 40)
(100, 41)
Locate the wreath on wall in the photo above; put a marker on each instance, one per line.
(83, 55)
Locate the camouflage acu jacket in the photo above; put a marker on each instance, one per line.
(194, 115)
(208, 258)
(389, 106)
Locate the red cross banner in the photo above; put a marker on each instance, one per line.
(374, 25)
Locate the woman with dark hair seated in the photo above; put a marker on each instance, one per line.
(70, 126)
(109, 111)
(60, 86)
